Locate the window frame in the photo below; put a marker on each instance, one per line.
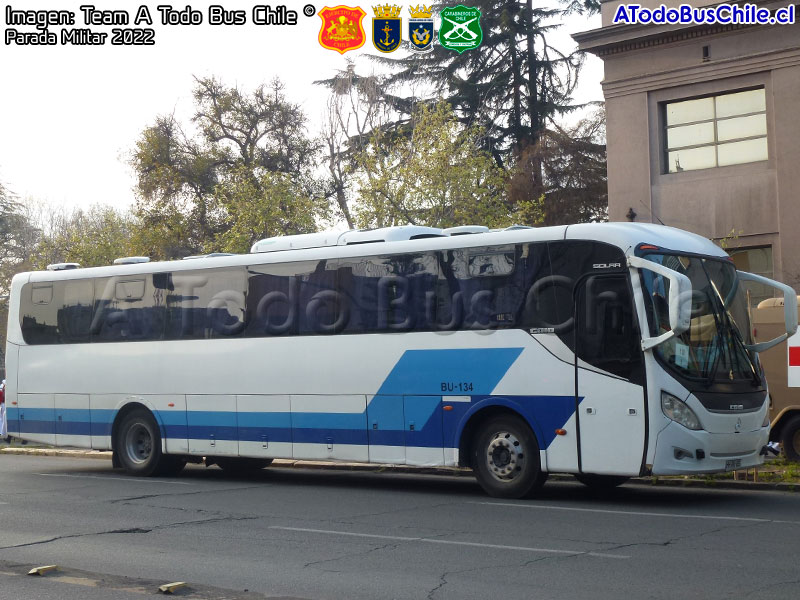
(716, 143)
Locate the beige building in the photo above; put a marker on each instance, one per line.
(704, 131)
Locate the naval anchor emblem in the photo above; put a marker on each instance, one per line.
(386, 27)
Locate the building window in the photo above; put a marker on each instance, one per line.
(758, 261)
(716, 131)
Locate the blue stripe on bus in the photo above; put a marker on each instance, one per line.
(336, 436)
(390, 418)
(34, 426)
(265, 434)
(452, 372)
(387, 437)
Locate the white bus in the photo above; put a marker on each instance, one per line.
(602, 350)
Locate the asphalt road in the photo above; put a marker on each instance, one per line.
(323, 534)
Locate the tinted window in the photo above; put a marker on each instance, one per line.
(204, 304)
(273, 297)
(127, 308)
(607, 336)
(491, 287)
(388, 293)
(57, 312)
(298, 298)
(570, 260)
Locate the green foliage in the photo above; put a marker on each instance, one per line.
(511, 85)
(433, 173)
(190, 187)
(92, 238)
(260, 205)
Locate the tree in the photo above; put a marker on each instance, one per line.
(434, 174)
(261, 205)
(181, 177)
(574, 187)
(513, 84)
(516, 87)
(356, 108)
(91, 238)
(16, 237)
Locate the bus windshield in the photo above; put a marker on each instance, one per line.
(713, 348)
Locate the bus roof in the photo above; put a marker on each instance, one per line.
(626, 236)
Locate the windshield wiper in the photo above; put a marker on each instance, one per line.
(732, 332)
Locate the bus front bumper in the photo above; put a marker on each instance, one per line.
(681, 451)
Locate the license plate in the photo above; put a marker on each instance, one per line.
(730, 465)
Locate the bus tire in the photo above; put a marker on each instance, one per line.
(601, 482)
(138, 446)
(505, 458)
(790, 439)
(241, 465)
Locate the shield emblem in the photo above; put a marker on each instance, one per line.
(386, 33)
(460, 29)
(342, 28)
(420, 34)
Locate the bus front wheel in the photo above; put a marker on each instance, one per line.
(505, 458)
(138, 446)
(790, 439)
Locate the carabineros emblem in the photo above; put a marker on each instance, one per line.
(386, 27)
(420, 29)
(460, 29)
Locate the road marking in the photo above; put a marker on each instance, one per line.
(635, 513)
(137, 480)
(450, 542)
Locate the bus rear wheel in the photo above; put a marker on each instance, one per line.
(790, 439)
(138, 447)
(505, 458)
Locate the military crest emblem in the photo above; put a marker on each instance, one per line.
(386, 27)
(460, 29)
(342, 29)
(420, 29)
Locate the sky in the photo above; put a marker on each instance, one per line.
(70, 115)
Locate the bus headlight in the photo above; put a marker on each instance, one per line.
(766, 420)
(676, 410)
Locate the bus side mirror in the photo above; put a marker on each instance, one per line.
(789, 309)
(680, 300)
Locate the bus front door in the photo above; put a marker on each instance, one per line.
(609, 376)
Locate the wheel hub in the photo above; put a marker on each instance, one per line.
(505, 456)
(138, 443)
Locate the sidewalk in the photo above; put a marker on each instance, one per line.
(677, 481)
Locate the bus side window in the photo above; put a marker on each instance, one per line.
(273, 302)
(482, 288)
(205, 304)
(57, 312)
(127, 309)
(388, 293)
(38, 314)
(320, 311)
(75, 311)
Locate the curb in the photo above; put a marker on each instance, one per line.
(447, 471)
